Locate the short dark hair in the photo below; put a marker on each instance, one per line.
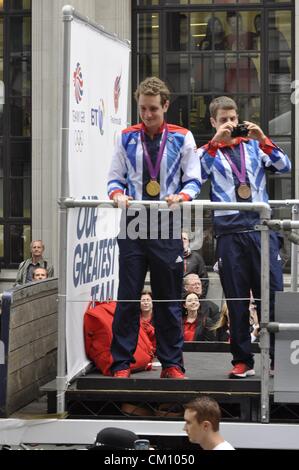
(233, 14)
(222, 102)
(206, 409)
(153, 86)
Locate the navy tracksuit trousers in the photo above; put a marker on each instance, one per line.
(239, 261)
(164, 258)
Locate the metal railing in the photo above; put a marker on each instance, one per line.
(293, 205)
(266, 223)
(262, 208)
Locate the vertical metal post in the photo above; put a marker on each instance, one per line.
(61, 379)
(265, 336)
(294, 255)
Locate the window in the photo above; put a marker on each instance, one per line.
(209, 48)
(15, 132)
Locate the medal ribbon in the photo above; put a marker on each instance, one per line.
(154, 171)
(241, 175)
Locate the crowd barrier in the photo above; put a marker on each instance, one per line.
(28, 337)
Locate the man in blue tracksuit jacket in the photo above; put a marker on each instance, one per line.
(152, 161)
(237, 168)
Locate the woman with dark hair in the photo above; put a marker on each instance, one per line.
(198, 318)
(146, 316)
(214, 28)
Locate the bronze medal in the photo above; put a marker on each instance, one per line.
(153, 188)
(244, 191)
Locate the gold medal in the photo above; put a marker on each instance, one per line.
(153, 188)
(244, 191)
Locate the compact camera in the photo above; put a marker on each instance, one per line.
(142, 444)
(240, 131)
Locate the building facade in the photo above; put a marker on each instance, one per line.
(247, 49)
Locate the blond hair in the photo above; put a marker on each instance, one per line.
(223, 319)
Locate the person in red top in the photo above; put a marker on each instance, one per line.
(198, 319)
(241, 73)
(146, 316)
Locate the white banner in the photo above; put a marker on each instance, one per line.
(99, 74)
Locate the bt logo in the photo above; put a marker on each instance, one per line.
(97, 116)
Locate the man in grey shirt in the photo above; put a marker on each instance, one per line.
(27, 266)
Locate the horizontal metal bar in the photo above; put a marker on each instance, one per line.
(70, 202)
(206, 204)
(283, 202)
(275, 327)
(69, 13)
(286, 224)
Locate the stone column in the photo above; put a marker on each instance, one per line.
(47, 41)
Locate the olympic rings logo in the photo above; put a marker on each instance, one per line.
(79, 140)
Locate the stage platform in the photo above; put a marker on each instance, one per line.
(145, 396)
(94, 395)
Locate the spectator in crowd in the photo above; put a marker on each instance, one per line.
(237, 168)
(39, 274)
(214, 38)
(198, 318)
(194, 264)
(27, 267)
(210, 70)
(192, 283)
(152, 161)
(202, 418)
(241, 73)
(254, 322)
(146, 316)
(221, 328)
